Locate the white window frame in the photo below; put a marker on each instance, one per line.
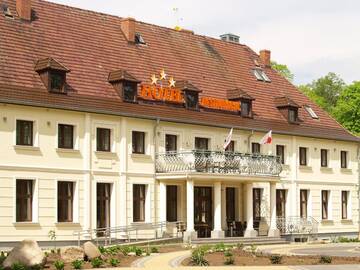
(76, 203)
(112, 128)
(329, 206)
(147, 202)
(35, 131)
(35, 201)
(311, 112)
(147, 150)
(75, 134)
(348, 208)
(178, 140)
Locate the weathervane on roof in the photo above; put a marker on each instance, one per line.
(162, 77)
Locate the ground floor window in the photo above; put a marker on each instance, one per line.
(139, 194)
(171, 203)
(303, 203)
(280, 202)
(325, 204)
(65, 195)
(230, 204)
(24, 200)
(257, 203)
(344, 204)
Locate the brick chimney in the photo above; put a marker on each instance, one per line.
(128, 28)
(23, 9)
(265, 56)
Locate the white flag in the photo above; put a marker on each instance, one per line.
(267, 139)
(228, 139)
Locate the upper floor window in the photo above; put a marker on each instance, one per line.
(65, 201)
(139, 39)
(255, 148)
(344, 159)
(292, 115)
(170, 143)
(191, 99)
(324, 157)
(24, 200)
(57, 81)
(280, 152)
(129, 91)
(103, 139)
(201, 143)
(24, 133)
(261, 75)
(246, 108)
(138, 142)
(65, 136)
(303, 156)
(230, 147)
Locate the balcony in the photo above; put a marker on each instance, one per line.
(218, 162)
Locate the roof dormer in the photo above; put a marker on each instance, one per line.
(245, 101)
(125, 84)
(52, 74)
(190, 93)
(288, 108)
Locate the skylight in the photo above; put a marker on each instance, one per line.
(139, 39)
(311, 112)
(261, 76)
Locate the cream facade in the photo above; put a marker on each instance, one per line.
(46, 165)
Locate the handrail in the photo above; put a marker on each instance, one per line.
(218, 162)
(297, 225)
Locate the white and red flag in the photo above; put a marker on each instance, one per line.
(267, 139)
(228, 139)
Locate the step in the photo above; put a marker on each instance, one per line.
(257, 240)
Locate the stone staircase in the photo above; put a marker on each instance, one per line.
(261, 240)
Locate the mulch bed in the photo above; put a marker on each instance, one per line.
(243, 258)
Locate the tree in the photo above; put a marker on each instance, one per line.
(347, 110)
(283, 70)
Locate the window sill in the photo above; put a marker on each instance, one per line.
(345, 170)
(346, 221)
(26, 147)
(326, 169)
(67, 150)
(67, 224)
(327, 221)
(104, 153)
(305, 167)
(140, 156)
(26, 224)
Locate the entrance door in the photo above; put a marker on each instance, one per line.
(103, 191)
(257, 207)
(203, 217)
(230, 204)
(280, 208)
(171, 203)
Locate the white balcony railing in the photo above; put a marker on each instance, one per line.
(218, 162)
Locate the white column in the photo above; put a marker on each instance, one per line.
(190, 231)
(249, 232)
(273, 231)
(217, 232)
(162, 201)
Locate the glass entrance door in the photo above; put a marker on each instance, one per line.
(203, 217)
(103, 191)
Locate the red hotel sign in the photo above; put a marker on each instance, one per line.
(220, 104)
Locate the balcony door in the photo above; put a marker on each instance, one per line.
(171, 203)
(281, 203)
(103, 198)
(203, 217)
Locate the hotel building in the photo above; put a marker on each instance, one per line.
(107, 122)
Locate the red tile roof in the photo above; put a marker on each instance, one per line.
(92, 45)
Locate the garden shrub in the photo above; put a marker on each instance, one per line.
(275, 259)
(18, 266)
(154, 250)
(325, 259)
(2, 257)
(114, 262)
(59, 265)
(125, 250)
(77, 264)
(229, 260)
(219, 247)
(97, 262)
(102, 249)
(197, 257)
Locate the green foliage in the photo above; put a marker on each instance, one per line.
(154, 250)
(253, 249)
(125, 250)
(240, 245)
(325, 259)
(229, 260)
(198, 257)
(283, 70)
(102, 249)
(228, 253)
(77, 264)
(275, 259)
(114, 262)
(347, 110)
(219, 247)
(18, 266)
(97, 262)
(138, 251)
(59, 265)
(2, 257)
(342, 239)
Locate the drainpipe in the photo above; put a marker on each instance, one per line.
(248, 141)
(155, 142)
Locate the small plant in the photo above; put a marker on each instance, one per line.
(102, 249)
(228, 253)
(77, 264)
(97, 262)
(219, 247)
(275, 259)
(154, 250)
(253, 249)
(18, 266)
(240, 246)
(229, 260)
(138, 251)
(114, 262)
(325, 259)
(197, 257)
(52, 236)
(125, 250)
(2, 257)
(59, 265)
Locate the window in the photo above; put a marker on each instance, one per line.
(260, 75)
(24, 132)
(103, 139)
(344, 204)
(66, 136)
(280, 152)
(303, 156)
(201, 143)
(191, 100)
(24, 200)
(230, 204)
(255, 148)
(170, 143)
(311, 112)
(343, 157)
(139, 39)
(65, 201)
(171, 203)
(230, 147)
(245, 108)
(129, 91)
(139, 203)
(325, 204)
(324, 157)
(57, 81)
(257, 204)
(292, 115)
(303, 203)
(138, 142)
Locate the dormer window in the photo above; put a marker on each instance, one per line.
(245, 100)
(190, 93)
(260, 75)
(246, 108)
(288, 108)
(292, 114)
(125, 84)
(52, 74)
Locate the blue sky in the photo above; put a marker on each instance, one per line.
(313, 37)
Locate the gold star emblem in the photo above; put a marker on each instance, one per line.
(154, 79)
(163, 75)
(172, 82)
